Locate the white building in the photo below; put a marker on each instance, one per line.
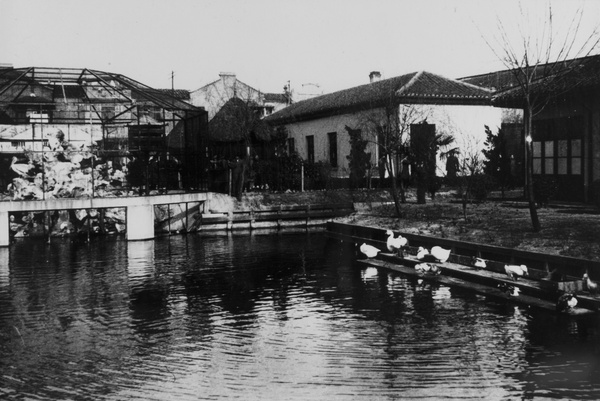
(317, 126)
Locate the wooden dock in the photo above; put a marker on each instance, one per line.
(540, 289)
(275, 217)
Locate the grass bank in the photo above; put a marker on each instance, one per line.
(567, 229)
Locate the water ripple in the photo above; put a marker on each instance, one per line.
(286, 317)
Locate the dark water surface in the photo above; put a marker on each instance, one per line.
(267, 317)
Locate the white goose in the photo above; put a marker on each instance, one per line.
(369, 250)
(440, 253)
(591, 286)
(516, 271)
(395, 244)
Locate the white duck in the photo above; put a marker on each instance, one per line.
(516, 271)
(566, 302)
(395, 244)
(422, 253)
(440, 253)
(478, 263)
(369, 250)
(426, 268)
(591, 286)
(509, 289)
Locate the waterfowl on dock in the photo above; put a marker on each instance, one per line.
(426, 268)
(509, 289)
(440, 253)
(566, 302)
(395, 244)
(590, 285)
(424, 255)
(478, 263)
(369, 250)
(516, 271)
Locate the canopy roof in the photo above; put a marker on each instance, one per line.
(41, 85)
(549, 81)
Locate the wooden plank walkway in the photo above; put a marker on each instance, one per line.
(542, 288)
(494, 292)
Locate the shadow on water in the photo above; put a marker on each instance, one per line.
(267, 316)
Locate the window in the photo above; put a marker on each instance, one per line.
(310, 148)
(333, 149)
(560, 151)
(291, 146)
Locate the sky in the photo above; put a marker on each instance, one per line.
(318, 46)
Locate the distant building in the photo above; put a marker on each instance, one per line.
(317, 127)
(235, 112)
(213, 96)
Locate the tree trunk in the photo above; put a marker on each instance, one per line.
(421, 185)
(535, 221)
(393, 188)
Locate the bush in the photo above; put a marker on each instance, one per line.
(433, 185)
(477, 186)
(317, 176)
(280, 173)
(545, 188)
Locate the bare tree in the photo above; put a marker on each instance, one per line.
(389, 129)
(539, 60)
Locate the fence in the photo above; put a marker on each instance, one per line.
(282, 174)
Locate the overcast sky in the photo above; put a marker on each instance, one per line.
(332, 43)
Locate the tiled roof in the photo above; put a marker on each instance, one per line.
(275, 97)
(416, 87)
(181, 94)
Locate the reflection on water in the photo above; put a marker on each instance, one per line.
(267, 317)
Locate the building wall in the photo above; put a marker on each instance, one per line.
(465, 123)
(320, 129)
(576, 187)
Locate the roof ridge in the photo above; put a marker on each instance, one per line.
(410, 83)
(461, 82)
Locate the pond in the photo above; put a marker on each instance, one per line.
(286, 316)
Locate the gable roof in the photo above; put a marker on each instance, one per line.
(414, 88)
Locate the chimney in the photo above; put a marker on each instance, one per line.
(228, 79)
(374, 76)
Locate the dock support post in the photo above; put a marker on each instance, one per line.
(230, 220)
(4, 229)
(140, 222)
